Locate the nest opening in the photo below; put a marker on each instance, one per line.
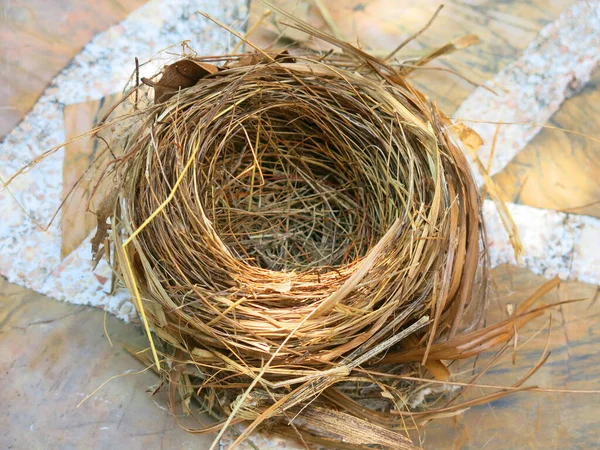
(297, 178)
(288, 193)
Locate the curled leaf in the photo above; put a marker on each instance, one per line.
(105, 210)
(180, 75)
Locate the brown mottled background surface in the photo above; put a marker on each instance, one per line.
(54, 354)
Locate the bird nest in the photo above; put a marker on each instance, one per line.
(302, 234)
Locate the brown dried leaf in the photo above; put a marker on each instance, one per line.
(247, 60)
(82, 188)
(104, 212)
(180, 75)
(471, 140)
(257, 58)
(438, 369)
(457, 44)
(285, 57)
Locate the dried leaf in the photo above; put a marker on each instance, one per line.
(203, 355)
(81, 184)
(471, 140)
(180, 75)
(457, 44)
(285, 57)
(247, 60)
(438, 369)
(258, 58)
(104, 212)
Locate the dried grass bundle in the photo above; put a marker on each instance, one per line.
(301, 233)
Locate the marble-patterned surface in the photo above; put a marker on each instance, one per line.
(31, 256)
(54, 355)
(556, 65)
(556, 243)
(38, 38)
(560, 169)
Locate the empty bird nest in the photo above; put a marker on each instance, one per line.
(303, 239)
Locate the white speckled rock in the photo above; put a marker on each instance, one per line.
(30, 256)
(554, 243)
